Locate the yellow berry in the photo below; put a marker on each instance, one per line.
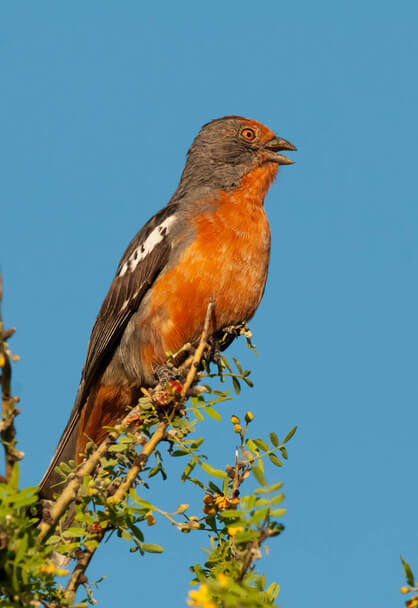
(222, 580)
(233, 531)
(237, 428)
(405, 589)
(150, 519)
(222, 502)
(235, 420)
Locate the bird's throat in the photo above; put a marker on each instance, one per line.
(254, 185)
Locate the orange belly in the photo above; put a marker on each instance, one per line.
(227, 262)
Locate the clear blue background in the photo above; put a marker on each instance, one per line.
(99, 103)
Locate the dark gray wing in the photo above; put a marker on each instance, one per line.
(145, 257)
(142, 262)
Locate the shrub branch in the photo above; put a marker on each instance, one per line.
(8, 403)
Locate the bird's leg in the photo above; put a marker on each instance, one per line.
(165, 373)
(169, 373)
(179, 357)
(214, 354)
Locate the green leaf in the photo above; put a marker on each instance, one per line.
(68, 547)
(73, 532)
(117, 448)
(237, 386)
(249, 382)
(212, 413)
(276, 500)
(259, 515)
(150, 548)
(408, 573)
(238, 364)
(214, 487)
(23, 545)
(154, 471)
(136, 532)
(211, 471)
(187, 470)
(230, 513)
(261, 444)
(258, 474)
(14, 479)
(290, 434)
(91, 544)
(245, 536)
(196, 482)
(179, 453)
(272, 488)
(225, 362)
(284, 452)
(125, 535)
(143, 503)
(272, 591)
(52, 540)
(274, 440)
(265, 502)
(275, 460)
(278, 512)
(252, 447)
(197, 413)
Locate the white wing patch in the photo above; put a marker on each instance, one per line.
(155, 237)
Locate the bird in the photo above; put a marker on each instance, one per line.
(211, 242)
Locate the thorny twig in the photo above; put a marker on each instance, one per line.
(83, 559)
(203, 344)
(238, 473)
(8, 403)
(70, 491)
(253, 552)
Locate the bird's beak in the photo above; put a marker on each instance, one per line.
(277, 144)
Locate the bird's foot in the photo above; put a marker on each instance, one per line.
(164, 374)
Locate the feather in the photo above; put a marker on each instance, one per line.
(143, 260)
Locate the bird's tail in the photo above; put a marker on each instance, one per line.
(52, 483)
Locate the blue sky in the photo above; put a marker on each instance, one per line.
(99, 104)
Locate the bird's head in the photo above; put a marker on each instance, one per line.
(228, 148)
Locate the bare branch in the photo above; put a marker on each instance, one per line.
(8, 333)
(86, 468)
(8, 403)
(85, 556)
(203, 344)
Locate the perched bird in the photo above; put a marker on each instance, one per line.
(211, 241)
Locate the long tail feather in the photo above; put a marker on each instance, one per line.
(65, 451)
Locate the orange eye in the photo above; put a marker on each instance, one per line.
(248, 134)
